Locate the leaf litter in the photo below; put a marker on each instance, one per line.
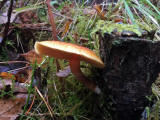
(12, 107)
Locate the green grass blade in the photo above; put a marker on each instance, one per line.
(143, 8)
(155, 8)
(148, 15)
(130, 14)
(151, 13)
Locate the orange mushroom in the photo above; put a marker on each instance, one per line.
(74, 54)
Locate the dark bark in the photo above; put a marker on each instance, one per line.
(132, 65)
(6, 29)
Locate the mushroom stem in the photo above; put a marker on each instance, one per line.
(75, 69)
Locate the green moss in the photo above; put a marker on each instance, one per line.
(145, 26)
(108, 26)
(81, 25)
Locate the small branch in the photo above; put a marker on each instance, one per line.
(6, 29)
(59, 14)
(51, 19)
(34, 27)
(31, 105)
(47, 104)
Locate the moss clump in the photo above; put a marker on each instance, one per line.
(109, 26)
(82, 23)
(145, 26)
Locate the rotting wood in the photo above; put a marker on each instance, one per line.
(132, 65)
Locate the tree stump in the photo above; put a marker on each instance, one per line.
(132, 65)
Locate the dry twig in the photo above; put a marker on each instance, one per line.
(6, 29)
(47, 104)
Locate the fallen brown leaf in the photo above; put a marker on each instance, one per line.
(66, 27)
(10, 108)
(100, 12)
(6, 75)
(21, 76)
(32, 57)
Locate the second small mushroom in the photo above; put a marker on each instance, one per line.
(74, 54)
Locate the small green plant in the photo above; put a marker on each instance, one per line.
(7, 90)
(30, 91)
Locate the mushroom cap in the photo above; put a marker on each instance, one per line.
(68, 51)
